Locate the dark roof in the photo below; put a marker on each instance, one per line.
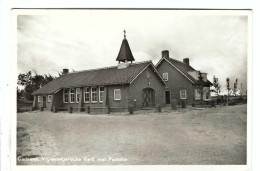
(125, 53)
(185, 68)
(96, 77)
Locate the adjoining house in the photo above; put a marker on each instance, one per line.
(182, 80)
(114, 88)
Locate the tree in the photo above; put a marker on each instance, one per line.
(216, 85)
(228, 88)
(235, 86)
(31, 83)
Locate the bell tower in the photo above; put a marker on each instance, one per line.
(125, 55)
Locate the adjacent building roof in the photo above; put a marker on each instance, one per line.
(183, 68)
(97, 77)
(125, 53)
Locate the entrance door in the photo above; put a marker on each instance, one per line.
(149, 97)
(44, 101)
(168, 97)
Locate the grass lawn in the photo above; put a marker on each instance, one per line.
(210, 136)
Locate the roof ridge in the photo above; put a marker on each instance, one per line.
(95, 69)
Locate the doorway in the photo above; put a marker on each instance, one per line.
(149, 97)
(168, 97)
(44, 101)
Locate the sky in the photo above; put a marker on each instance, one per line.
(87, 39)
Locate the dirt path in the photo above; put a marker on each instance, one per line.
(210, 136)
(35, 142)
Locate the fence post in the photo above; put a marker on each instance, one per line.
(131, 109)
(107, 110)
(88, 109)
(158, 108)
(70, 109)
(174, 104)
(183, 104)
(55, 109)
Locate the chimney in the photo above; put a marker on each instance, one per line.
(165, 53)
(186, 61)
(65, 71)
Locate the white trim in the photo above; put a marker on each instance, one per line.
(166, 75)
(145, 69)
(115, 94)
(49, 99)
(57, 91)
(185, 94)
(92, 96)
(85, 94)
(64, 95)
(76, 99)
(71, 94)
(175, 68)
(39, 99)
(100, 92)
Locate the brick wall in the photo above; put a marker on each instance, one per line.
(176, 82)
(141, 82)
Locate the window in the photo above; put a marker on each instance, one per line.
(49, 98)
(117, 94)
(183, 94)
(66, 95)
(77, 95)
(39, 98)
(93, 94)
(197, 94)
(165, 76)
(101, 94)
(72, 95)
(86, 95)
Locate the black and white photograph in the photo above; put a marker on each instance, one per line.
(131, 86)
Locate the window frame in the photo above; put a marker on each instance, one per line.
(49, 98)
(77, 95)
(39, 99)
(87, 92)
(167, 76)
(92, 101)
(117, 99)
(99, 93)
(64, 94)
(72, 94)
(183, 98)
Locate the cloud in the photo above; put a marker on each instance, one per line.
(85, 39)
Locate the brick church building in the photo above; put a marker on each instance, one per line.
(140, 84)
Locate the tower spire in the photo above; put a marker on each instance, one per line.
(125, 54)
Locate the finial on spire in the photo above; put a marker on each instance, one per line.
(124, 33)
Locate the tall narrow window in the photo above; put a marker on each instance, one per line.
(77, 95)
(72, 95)
(49, 98)
(39, 98)
(66, 95)
(101, 94)
(93, 94)
(117, 94)
(165, 76)
(183, 94)
(87, 95)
